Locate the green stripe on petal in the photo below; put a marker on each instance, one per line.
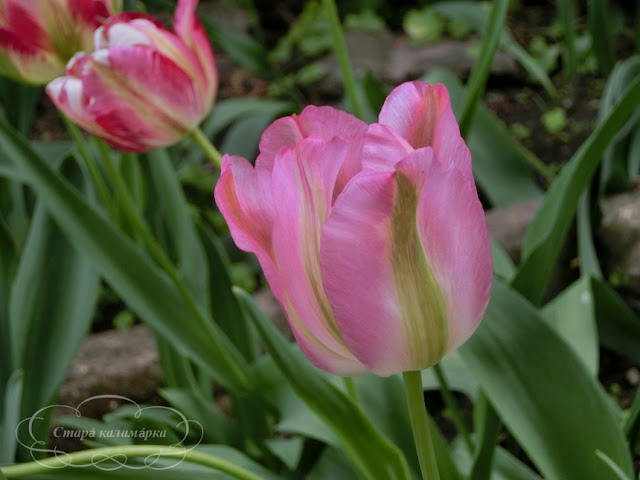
(420, 297)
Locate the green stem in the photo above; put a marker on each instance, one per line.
(92, 167)
(136, 221)
(340, 49)
(88, 457)
(453, 408)
(352, 390)
(420, 426)
(211, 152)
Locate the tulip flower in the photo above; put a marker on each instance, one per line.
(143, 87)
(38, 37)
(372, 238)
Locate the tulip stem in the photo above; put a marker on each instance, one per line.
(150, 453)
(340, 49)
(211, 152)
(139, 225)
(92, 167)
(420, 426)
(453, 407)
(352, 390)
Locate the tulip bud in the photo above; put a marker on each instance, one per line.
(38, 37)
(373, 239)
(143, 87)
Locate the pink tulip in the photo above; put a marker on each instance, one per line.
(143, 87)
(372, 237)
(38, 37)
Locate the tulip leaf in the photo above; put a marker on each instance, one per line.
(245, 51)
(51, 304)
(243, 136)
(10, 418)
(500, 164)
(572, 315)
(171, 211)
(618, 326)
(52, 301)
(225, 306)
(506, 466)
(524, 366)
(548, 228)
(140, 283)
(332, 464)
(8, 259)
(598, 19)
(372, 455)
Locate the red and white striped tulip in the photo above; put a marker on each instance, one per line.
(38, 37)
(144, 87)
(372, 238)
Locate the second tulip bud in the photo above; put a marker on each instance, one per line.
(143, 87)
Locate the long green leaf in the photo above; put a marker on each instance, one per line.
(139, 282)
(618, 326)
(565, 12)
(8, 260)
(371, 454)
(488, 427)
(10, 417)
(171, 208)
(572, 315)
(225, 306)
(601, 35)
(51, 307)
(543, 392)
(482, 67)
(544, 238)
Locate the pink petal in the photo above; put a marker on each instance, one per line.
(452, 226)
(326, 122)
(67, 94)
(406, 264)
(243, 195)
(421, 113)
(142, 94)
(304, 177)
(190, 30)
(383, 148)
(144, 30)
(91, 12)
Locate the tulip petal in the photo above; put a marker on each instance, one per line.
(67, 94)
(139, 96)
(326, 122)
(452, 226)
(243, 195)
(392, 250)
(422, 114)
(190, 30)
(303, 181)
(383, 148)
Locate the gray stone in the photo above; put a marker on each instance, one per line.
(508, 225)
(395, 59)
(620, 238)
(122, 362)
